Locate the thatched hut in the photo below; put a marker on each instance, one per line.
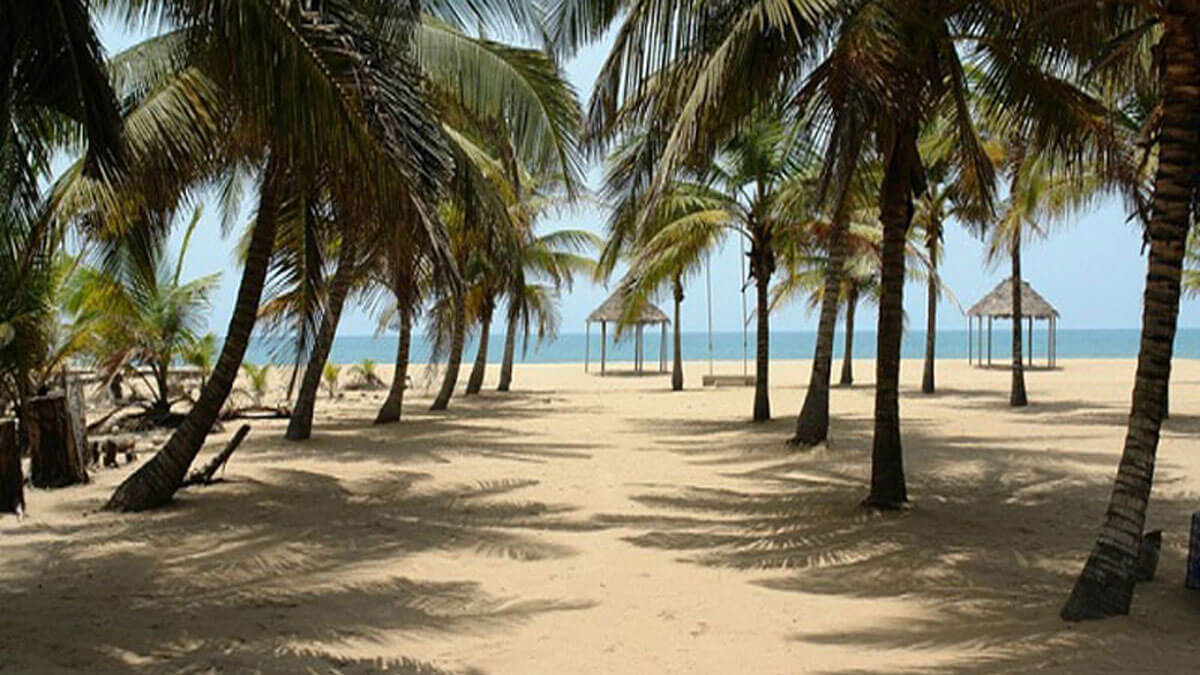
(999, 305)
(613, 310)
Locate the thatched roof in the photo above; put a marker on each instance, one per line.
(999, 302)
(613, 309)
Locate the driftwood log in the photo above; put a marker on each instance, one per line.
(204, 475)
(56, 457)
(12, 483)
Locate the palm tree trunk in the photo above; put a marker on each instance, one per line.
(931, 303)
(1017, 397)
(475, 381)
(300, 424)
(762, 359)
(392, 406)
(848, 356)
(812, 424)
(156, 481)
(888, 488)
(510, 349)
(450, 380)
(1105, 586)
(677, 366)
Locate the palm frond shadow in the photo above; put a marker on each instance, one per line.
(280, 584)
(973, 549)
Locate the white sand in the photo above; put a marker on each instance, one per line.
(591, 525)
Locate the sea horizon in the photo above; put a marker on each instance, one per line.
(1078, 343)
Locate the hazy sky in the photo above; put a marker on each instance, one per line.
(1091, 268)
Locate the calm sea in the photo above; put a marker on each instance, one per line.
(569, 347)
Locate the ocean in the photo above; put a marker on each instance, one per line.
(727, 346)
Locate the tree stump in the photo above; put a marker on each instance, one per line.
(12, 483)
(56, 457)
(1147, 564)
(1193, 562)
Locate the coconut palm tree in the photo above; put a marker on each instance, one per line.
(363, 114)
(1042, 192)
(139, 311)
(1150, 52)
(665, 246)
(878, 70)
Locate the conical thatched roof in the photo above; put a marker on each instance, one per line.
(999, 302)
(613, 309)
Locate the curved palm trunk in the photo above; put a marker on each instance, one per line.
(848, 356)
(888, 489)
(510, 349)
(156, 481)
(1017, 396)
(475, 381)
(677, 366)
(300, 424)
(392, 406)
(812, 424)
(1105, 586)
(762, 358)
(931, 304)
(457, 338)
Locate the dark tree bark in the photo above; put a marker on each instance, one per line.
(1105, 586)
(300, 424)
(1017, 396)
(931, 303)
(12, 482)
(510, 350)
(677, 336)
(900, 181)
(848, 355)
(204, 475)
(763, 261)
(56, 458)
(391, 409)
(457, 338)
(156, 481)
(475, 381)
(812, 424)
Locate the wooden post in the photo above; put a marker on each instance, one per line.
(56, 460)
(12, 483)
(969, 346)
(587, 343)
(989, 340)
(603, 343)
(1193, 560)
(1029, 350)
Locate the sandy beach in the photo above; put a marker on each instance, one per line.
(589, 525)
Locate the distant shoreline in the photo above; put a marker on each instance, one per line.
(785, 345)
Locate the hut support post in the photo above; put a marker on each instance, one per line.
(662, 351)
(969, 345)
(587, 343)
(603, 344)
(1029, 350)
(989, 340)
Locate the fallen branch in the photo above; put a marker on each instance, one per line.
(256, 413)
(204, 475)
(94, 426)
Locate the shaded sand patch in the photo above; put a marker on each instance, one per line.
(610, 526)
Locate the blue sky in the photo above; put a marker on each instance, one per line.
(1091, 268)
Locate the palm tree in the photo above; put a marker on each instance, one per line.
(878, 69)
(139, 310)
(1171, 139)
(201, 353)
(665, 245)
(351, 123)
(330, 374)
(1042, 192)
(549, 263)
(365, 371)
(259, 381)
